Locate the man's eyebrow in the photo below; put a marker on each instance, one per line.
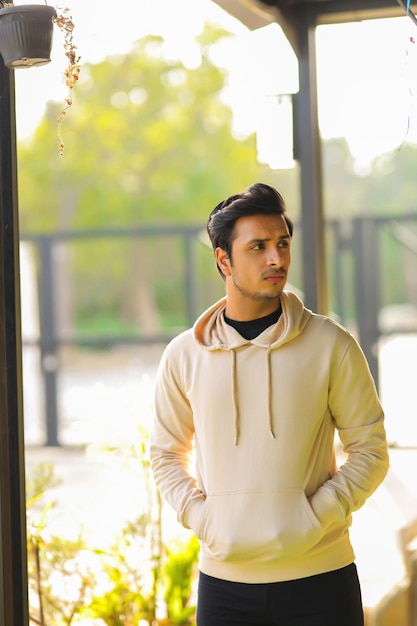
(258, 240)
(265, 239)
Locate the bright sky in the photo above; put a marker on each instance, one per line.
(367, 71)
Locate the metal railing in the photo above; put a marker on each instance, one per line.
(354, 281)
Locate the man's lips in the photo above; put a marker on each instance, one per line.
(275, 277)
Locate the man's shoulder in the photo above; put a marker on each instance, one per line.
(182, 341)
(330, 326)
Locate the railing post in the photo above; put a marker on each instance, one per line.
(367, 289)
(48, 339)
(190, 277)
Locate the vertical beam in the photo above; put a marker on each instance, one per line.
(339, 284)
(13, 555)
(48, 339)
(307, 150)
(367, 289)
(190, 277)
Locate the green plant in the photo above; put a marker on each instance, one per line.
(59, 569)
(139, 552)
(128, 594)
(179, 573)
(138, 579)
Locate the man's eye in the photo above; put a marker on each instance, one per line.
(283, 244)
(257, 246)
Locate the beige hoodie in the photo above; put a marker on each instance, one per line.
(265, 498)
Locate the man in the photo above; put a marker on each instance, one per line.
(256, 390)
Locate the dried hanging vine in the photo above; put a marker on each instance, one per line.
(64, 21)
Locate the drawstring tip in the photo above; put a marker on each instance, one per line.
(272, 433)
(236, 438)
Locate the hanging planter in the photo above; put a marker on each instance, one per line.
(26, 34)
(26, 40)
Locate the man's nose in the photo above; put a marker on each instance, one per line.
(275, 257)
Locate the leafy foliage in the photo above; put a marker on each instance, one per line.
(178, 570)
(148, 140)
(124, 584)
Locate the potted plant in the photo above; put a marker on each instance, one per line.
(26, 34)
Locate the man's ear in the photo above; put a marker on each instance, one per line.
(222, 260)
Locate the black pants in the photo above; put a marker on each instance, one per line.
(330, 599)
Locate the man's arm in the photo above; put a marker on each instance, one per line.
(171, 447)
(359, 419)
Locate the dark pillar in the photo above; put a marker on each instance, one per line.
(307, 150)
(49, 355)
(367, 289)
(13, 554)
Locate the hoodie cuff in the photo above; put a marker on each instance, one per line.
(324, 507)
(192, 514)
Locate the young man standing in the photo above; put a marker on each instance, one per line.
(256, 390)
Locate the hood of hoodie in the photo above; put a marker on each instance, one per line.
(214, 333)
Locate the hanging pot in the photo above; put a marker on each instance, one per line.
(26, 35)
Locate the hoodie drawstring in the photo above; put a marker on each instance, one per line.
(269, 392)
(235, 394)
(235, 400)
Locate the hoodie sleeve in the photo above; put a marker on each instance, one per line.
(171, 445)
(359, 419)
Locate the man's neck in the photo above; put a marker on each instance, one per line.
(252, 328)
(246, 312)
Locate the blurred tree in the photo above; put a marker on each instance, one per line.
(390, 188)
(147, 140)
(387, 187)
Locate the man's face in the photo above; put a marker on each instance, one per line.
(257, 270)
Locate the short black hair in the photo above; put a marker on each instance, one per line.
(258, 199)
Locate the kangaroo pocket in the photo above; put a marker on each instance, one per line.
(245, 525)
